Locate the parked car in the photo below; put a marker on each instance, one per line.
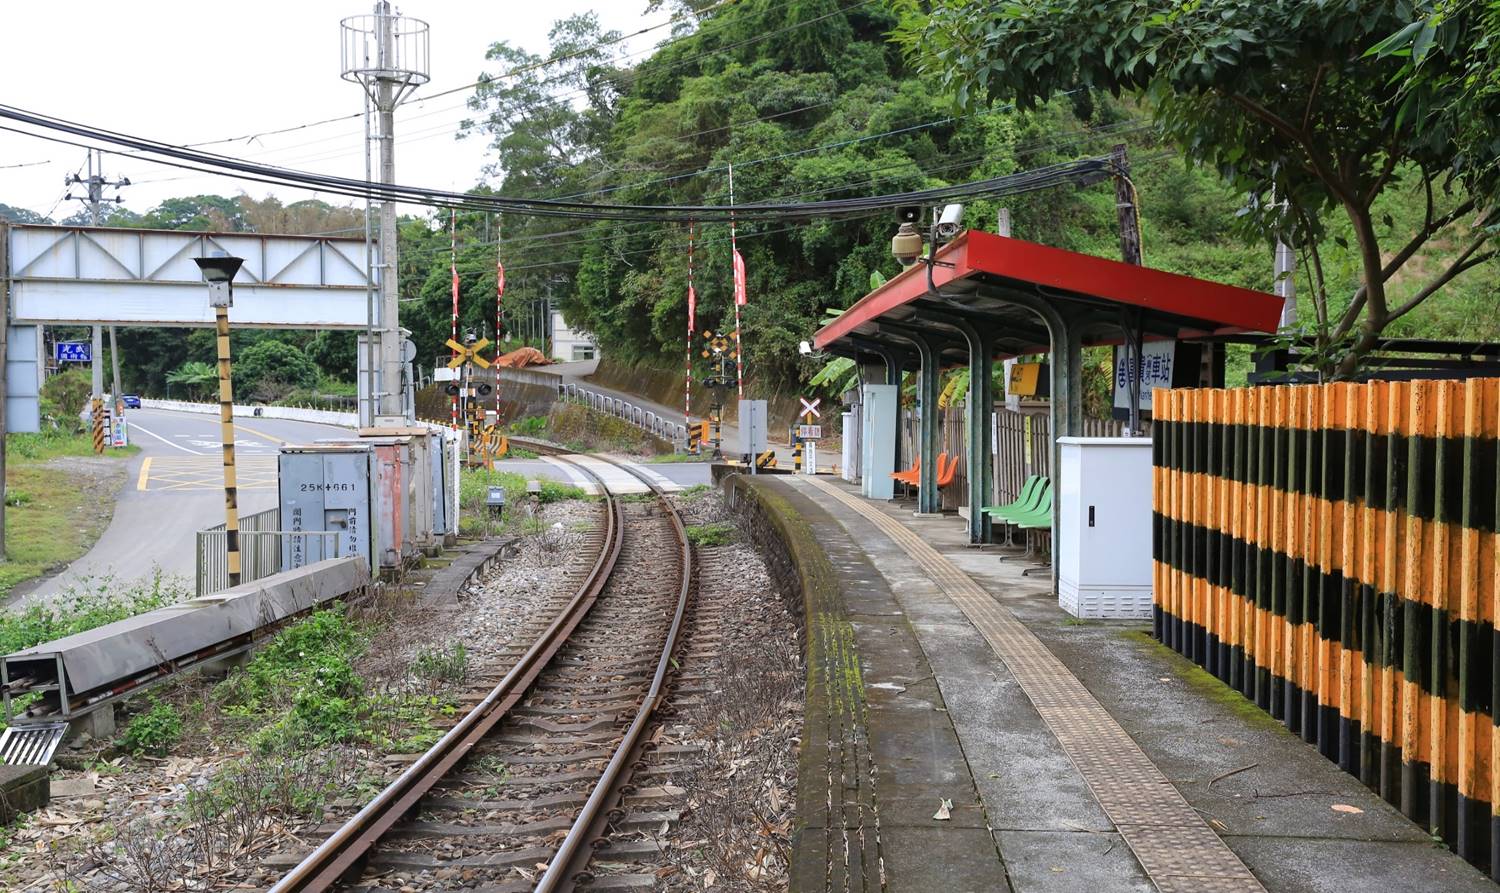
(131, 401)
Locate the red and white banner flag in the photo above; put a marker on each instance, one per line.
(739, 280)
(692, 310)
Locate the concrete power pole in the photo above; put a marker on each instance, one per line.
(94, 199)
(1286, 282)
(387, 54)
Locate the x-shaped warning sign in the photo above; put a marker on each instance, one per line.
(811, 408)
(463, 354)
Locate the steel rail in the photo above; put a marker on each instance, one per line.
(348, 846)
(568, 866)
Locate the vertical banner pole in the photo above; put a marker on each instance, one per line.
(741, 286)
(453, 328)
(499, 294)
(692, 311)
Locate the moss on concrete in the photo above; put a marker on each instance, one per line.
(1202, 682)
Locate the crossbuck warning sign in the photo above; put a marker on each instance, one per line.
(810, 409)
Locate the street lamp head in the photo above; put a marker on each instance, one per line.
(219, 268)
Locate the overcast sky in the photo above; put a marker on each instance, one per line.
(187, 72)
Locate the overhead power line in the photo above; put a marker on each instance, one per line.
(209, 162)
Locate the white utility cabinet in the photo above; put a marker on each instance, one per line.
(1103, 548)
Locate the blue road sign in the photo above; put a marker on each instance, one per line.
(73, 351)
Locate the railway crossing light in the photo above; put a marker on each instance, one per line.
(219, 272)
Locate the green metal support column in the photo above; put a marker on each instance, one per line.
(929, 379)
(1067, 387)
(981, 446)
(929, 386)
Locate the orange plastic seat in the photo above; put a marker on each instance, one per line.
(945, 475)
(904, 476)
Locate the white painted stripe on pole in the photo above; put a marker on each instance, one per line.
(574, 476)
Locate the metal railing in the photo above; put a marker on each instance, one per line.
(647, 420)
(261, 550)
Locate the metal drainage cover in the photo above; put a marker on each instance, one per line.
(31, 745)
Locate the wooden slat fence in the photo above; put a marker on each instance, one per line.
(1329, 551)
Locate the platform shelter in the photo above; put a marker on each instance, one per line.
(984, 297)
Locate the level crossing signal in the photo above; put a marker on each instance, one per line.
(469, 354)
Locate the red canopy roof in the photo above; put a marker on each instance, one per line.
(994, 264)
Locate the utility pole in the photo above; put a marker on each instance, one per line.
(94, 199)
(1125, 207)
(387, 54)
(1286, 282)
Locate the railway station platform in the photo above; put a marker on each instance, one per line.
(965, 734)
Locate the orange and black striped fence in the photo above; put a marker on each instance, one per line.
(1329, 551)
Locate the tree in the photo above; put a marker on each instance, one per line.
(12, 214)
(1281, 97)
(269, 368)
(1451, 71)
(195, 377)
(196, 212)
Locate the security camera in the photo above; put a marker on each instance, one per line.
(906, 245)
(805, 348)
(951, 222)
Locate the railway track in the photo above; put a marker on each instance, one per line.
(558, 764)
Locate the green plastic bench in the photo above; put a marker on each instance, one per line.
(1033, 491)
(1039, 517)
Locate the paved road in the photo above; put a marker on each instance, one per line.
(174, 488)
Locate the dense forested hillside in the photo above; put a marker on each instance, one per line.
(808, 100)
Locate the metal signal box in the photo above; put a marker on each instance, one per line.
(328, 487)
(1103, 546)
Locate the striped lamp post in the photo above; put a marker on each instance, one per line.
(219, 272)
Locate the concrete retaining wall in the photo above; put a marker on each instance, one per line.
(293, 413)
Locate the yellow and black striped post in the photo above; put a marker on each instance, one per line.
(226, 434)
(98, 413)
(797, 456)
(1331, 552)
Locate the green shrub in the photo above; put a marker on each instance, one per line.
(315, 654)
(531, 426)
(449, 664)
(155, 731)
(84, 610)
(718, 533)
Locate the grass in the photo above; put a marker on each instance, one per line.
(82, 609)
(719, 533)
(667, 458)
(50, 516)
(474, 484)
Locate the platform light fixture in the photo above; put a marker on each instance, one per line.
(218, 271)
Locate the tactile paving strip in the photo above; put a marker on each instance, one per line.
(1177, 849)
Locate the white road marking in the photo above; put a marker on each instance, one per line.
(576, 477)
(144, 430)
(666, 484)
(617, 479)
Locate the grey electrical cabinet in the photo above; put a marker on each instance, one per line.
(327, 488)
